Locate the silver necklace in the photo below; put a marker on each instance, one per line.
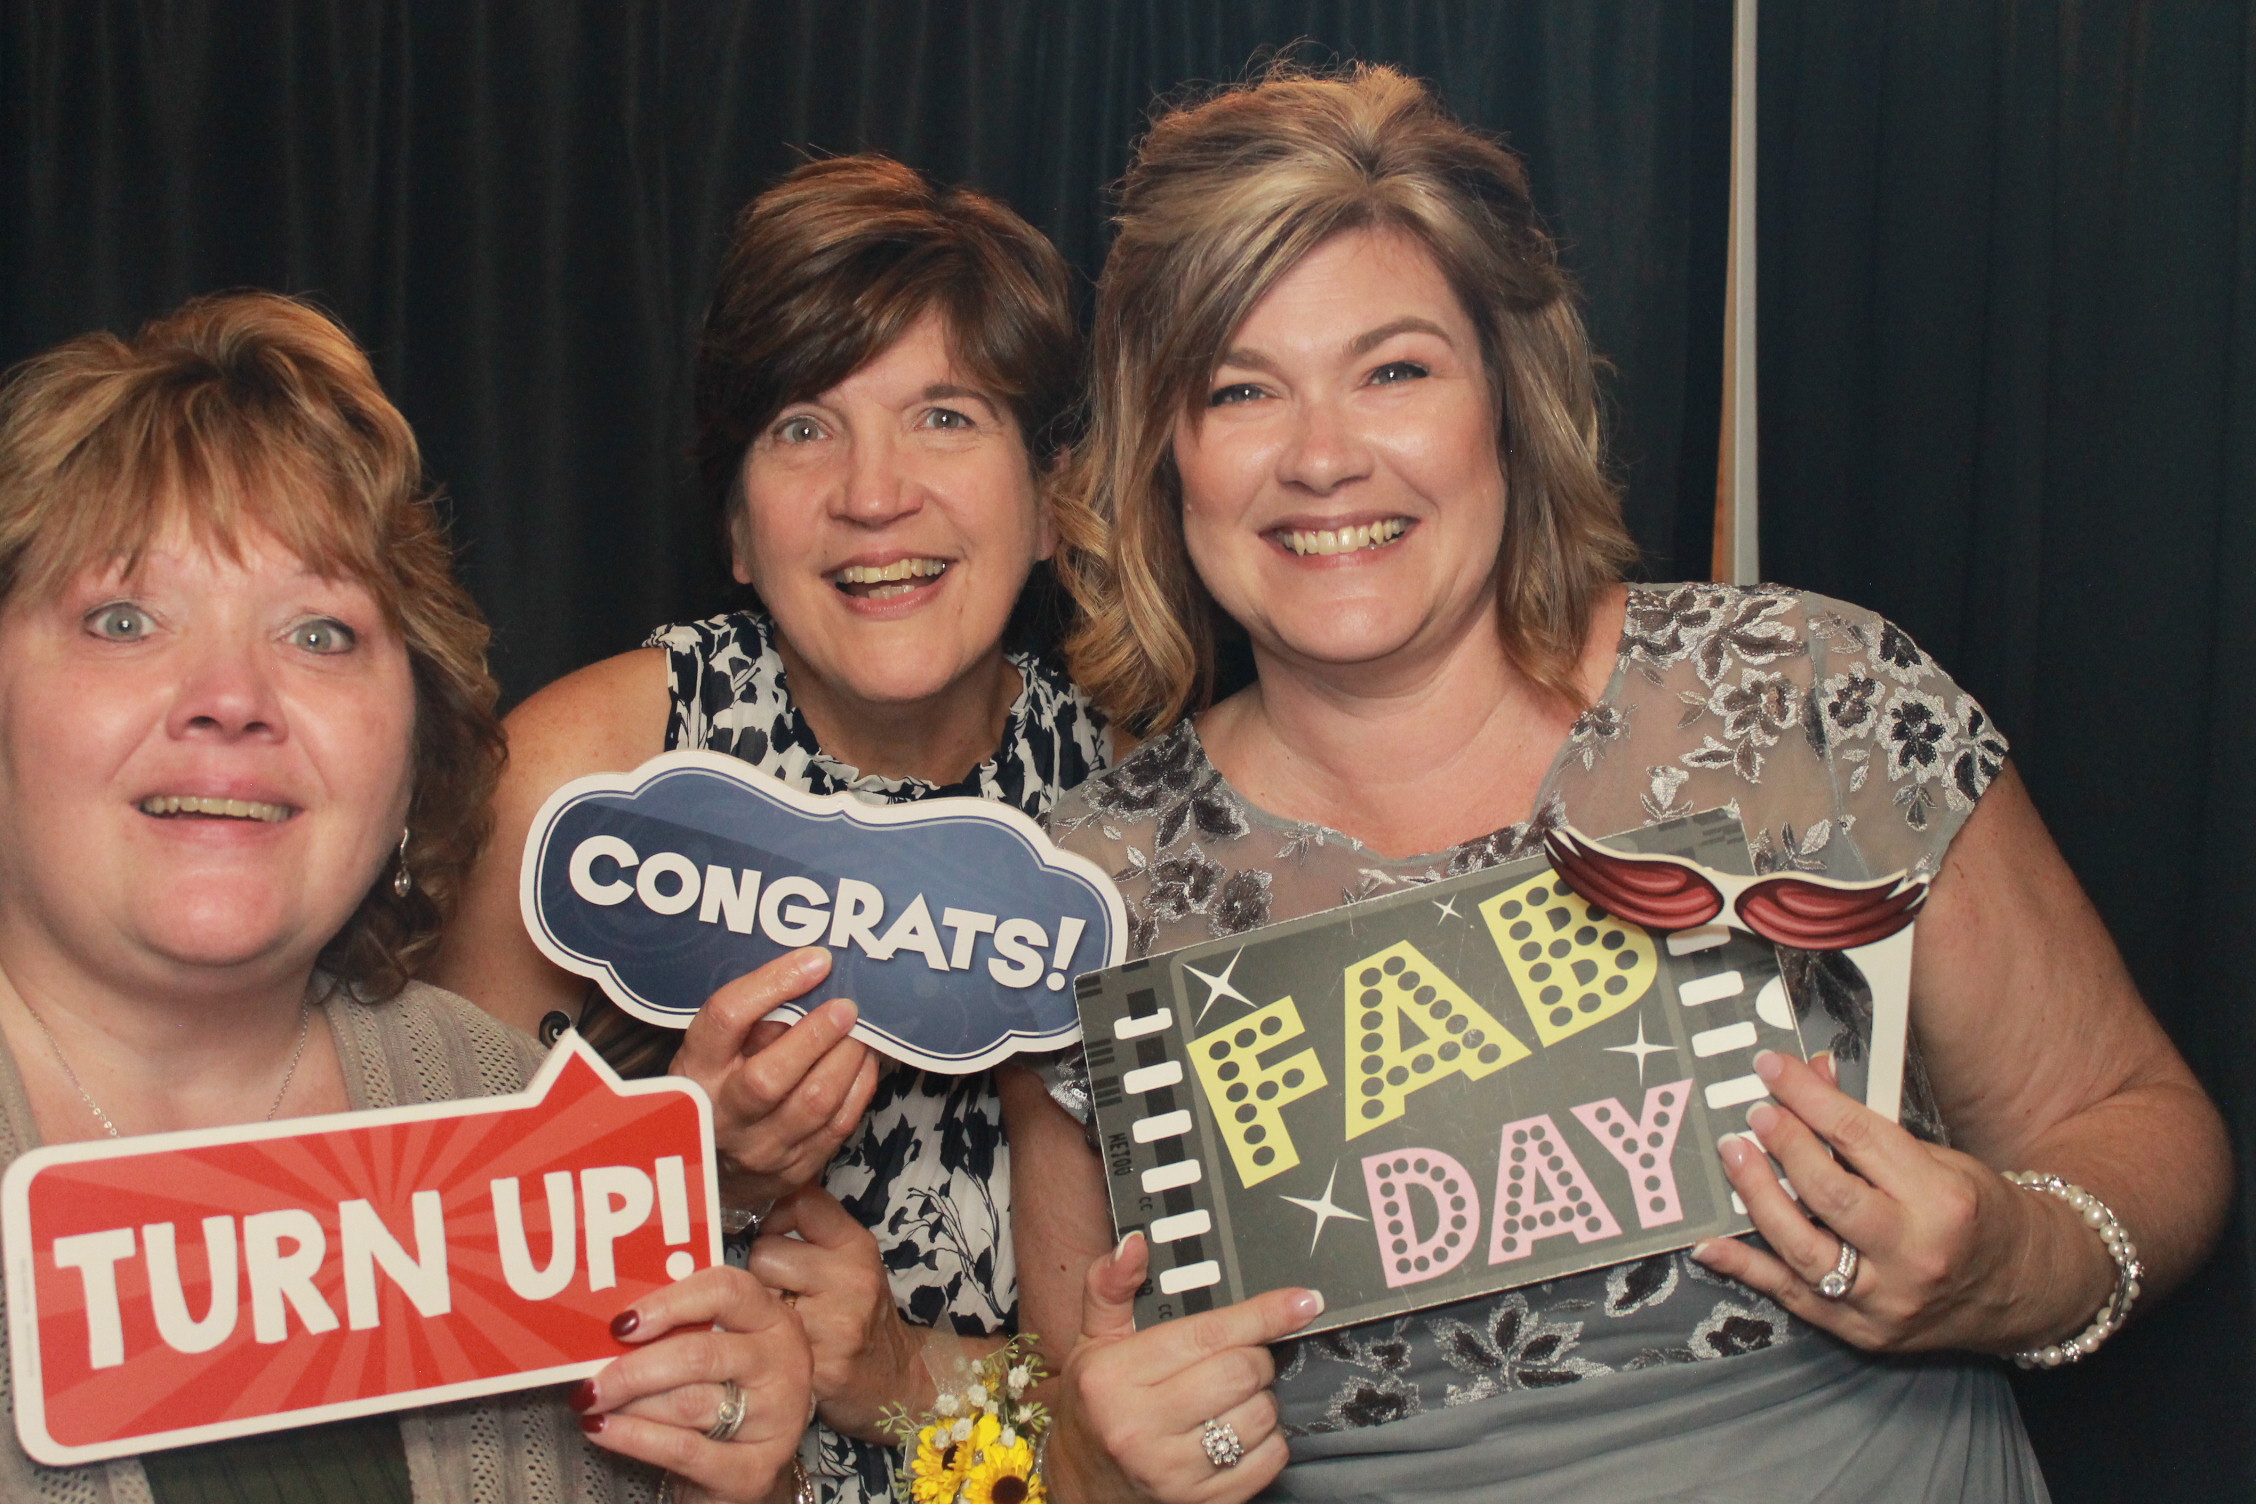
(305, 1026)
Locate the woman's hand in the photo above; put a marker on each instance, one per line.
(866, 1357)
(784, 1099)
(1950, 1254)
(659, 1404)
(1134, 1409)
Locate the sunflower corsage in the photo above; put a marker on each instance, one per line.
(977, 1444)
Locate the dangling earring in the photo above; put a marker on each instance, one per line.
(403, 881)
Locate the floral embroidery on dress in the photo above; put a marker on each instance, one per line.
(1709, 624)
(1514, 1348)
(1786, 852)
(1643, 1282)
(1732, 1329)
(1593, 731)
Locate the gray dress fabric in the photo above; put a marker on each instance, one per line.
(423, 1045)
(1845, 751)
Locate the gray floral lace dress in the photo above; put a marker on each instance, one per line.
(928, 1172)
(1845, 751)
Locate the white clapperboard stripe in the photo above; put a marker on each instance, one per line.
(1168, 1124)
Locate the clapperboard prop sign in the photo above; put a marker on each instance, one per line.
(1460, 1088)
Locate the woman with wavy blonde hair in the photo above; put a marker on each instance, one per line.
(1343, 404)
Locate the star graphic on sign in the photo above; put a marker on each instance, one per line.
(1640, 1049)
(1447, 906)
(1218, 984)
(1326, 1208)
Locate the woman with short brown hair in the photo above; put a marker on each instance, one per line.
(885, 382)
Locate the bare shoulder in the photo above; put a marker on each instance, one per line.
(606, 717)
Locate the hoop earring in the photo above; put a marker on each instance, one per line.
(403, 881)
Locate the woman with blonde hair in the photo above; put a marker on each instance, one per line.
(1344, 404)
(246, 741)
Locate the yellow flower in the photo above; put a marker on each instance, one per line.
(936, 1471)
(1003, 1475)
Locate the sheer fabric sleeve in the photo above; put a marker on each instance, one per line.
(1844, 747)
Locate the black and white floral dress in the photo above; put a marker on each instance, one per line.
(1845, 751)
(929, 1172)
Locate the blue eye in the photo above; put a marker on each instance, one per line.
(324, 635)
(119, 621)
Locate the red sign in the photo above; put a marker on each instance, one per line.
(187, 1287)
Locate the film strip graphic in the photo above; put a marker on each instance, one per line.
(1456, 1089)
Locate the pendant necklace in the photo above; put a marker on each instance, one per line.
(305, 1026)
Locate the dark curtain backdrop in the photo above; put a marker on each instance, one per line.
(2008, 324)
(518, 207)
(2009, 397)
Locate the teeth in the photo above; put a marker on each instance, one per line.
(899, 569)
(1346, 540)
(198, 804)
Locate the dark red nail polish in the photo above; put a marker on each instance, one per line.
(593, 1423)
(623, 1325)
(583, 1395)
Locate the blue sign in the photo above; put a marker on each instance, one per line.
(955, 925)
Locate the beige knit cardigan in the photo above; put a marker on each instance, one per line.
(423, 1045)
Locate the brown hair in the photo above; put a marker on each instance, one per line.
(248, 412)
(833, 264)
(1223, 199)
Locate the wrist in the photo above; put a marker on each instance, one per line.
(2095, 1273)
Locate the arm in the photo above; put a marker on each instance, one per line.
(783, 1099)
(607, 717)
(2043, 1058)
(1060, 1222)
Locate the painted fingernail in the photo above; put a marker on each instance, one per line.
(1704, 1250)
(1308, 1305)
(1762, 1117)
(582, 1397)
(1734, 1149)
(1768, 1064)
(593, 1423)
(624, 1324)
(1120, 1249)
(1822, 1062)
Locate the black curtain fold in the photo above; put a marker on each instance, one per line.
(2008, 325)
(519, 206)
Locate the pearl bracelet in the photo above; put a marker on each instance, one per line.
(2128, 1271)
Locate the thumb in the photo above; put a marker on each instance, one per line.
(1108, 1295)
(816, 1215)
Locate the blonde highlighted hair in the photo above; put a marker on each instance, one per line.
(1223, 199)
(249, 414)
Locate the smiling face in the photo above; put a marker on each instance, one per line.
(204, 765)
(889, 524)
(1342, 495)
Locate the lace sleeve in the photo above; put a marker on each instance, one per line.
(1842, 746)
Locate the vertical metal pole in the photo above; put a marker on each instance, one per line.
(1738, 513)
